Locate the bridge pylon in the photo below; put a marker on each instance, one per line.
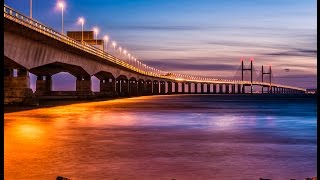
(262, 78)
(247, 69)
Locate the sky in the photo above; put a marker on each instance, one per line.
(200, 37)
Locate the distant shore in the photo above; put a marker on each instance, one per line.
(61, 102)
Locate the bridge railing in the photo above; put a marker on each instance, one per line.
(13, 15)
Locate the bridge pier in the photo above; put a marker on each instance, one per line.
(141, 87)
(196, 88)
(43, 85)
(176, 87)
(148, 87)
(227, 89)
(162, 87)
(133, 87)
(208, 88)
(189, 88)
(202, 88)
(233, 88)
(182, 88)
(155, 87)
(239, 89)
(83, 86)
(16, 86)
(169, 87)
(107, 86)
(214, 89)
(220, 87)
(122, 87)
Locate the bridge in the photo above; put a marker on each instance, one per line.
(32, 47)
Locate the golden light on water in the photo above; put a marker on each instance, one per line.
(29, 131)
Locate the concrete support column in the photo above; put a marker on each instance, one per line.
(125, 88)
(176, 87)
(227, 88)
(83, 86)
(148, 87)
(214, 89)
(107, 86)
(202, 88)
(220, 88)
(196, 88)
(17, 88)
(189, 88)
(162, 87)
(133, 88)
(243, 90)
(208, 88)
(155, 87)
(239, 88)
(183, 88)
(118, 87)
(122, 87)
(169, 87)
(233, 88)
(43, 85)
(141, 88)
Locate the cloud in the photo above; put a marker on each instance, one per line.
(157, 27)
(297, 76)
(294, 52)
(180, 65)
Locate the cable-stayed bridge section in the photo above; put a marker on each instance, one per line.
(31, 47)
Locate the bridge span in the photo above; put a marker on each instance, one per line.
(32, 47)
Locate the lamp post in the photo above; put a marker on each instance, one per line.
(96, 31)
(61, 5)
(106, 38)
(125, 53)
(81, 20)
(129, 57)
(114, 45)
(31, 9)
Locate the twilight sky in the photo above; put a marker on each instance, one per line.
(201, 37)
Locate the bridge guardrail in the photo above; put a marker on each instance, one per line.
(35, 25)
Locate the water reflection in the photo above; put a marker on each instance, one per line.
(163, 137)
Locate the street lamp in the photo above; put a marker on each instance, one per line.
(96, 31)
(120, 49)
(106, 38)
(81, 21)
(31, 9)
(61, 5)
(114, 45)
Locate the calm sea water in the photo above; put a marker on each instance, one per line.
(165, 137)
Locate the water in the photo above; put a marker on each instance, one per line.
(165, 137)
